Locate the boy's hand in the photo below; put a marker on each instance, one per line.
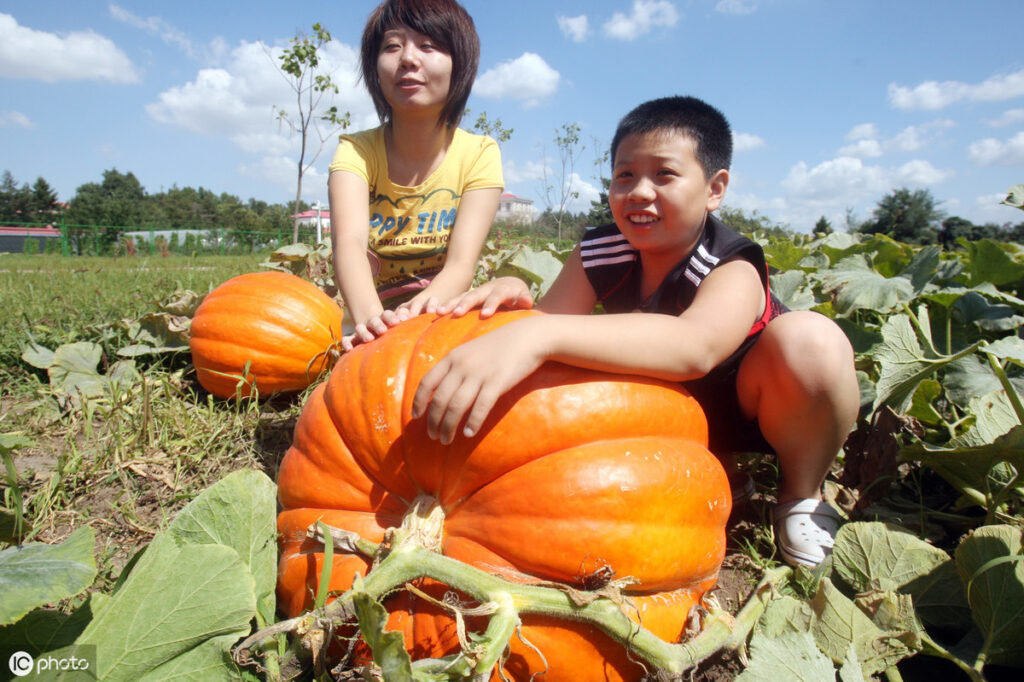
(508, 292)
(473, 376)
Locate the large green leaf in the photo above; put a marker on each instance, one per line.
(792, 656)
(857, 285)
(989, 261)
(991, 563)
(967, 466)
(791, 288)
(237, 511)
(178, 599)
(35, 574)
(877, 557)
(839, 624)
(45, 630)
(538, 267)
(903, 362)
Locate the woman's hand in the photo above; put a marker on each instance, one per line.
(370, 329)
(507, 292)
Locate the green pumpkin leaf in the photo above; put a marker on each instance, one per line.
(1015, 197)
(904, 362)
(45, 630)
(989, 261)
(991, 563)
(877, 556)
(790, 656)
(35, 574)
(238, 511)
(178, 600)
(74, 369)
(857, 286)
(839, 624)
(37, 356)
(785, 614)
(388, 647)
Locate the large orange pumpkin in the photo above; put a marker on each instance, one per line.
(278, 324)
(574, 471)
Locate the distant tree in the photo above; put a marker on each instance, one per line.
(557, 197)
(103, 209)
(907, 216)
(600, 210)
(750, 224)
(822, 227)
(300, 65)
(13, 199)
(954, 228)
(494, 129)
(42, 203)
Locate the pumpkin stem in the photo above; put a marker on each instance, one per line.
(423, 524)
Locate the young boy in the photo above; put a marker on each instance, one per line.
(687, 300)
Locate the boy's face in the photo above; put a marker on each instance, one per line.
(659, 195)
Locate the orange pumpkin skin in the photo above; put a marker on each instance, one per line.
(278, 323)
(574, 470)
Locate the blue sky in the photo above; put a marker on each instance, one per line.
(832, 104)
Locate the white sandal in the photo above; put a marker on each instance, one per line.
(805, 530)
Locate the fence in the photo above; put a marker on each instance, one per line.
(69, 239)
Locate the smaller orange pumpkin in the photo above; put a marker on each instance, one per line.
(279, 326)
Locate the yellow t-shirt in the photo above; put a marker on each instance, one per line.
(410, 226)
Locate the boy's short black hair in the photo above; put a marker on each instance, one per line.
(443, 21)
(690, 116)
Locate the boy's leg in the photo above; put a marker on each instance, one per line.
(799, 382)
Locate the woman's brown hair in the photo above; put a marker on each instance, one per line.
(443, 21)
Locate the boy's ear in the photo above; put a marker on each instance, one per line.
(716, 189)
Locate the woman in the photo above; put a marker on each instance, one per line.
(419, 191)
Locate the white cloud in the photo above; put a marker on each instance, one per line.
(15, 119)
(527, 78)
(80, 55)
(919, 173)
(745, 142)
(515, 173)
(736, 7)
(993, 152)
(238, 101)
(863, 131)
(587, 193)
(915, 138)
(155, 26)
(862, 149)
(990, 209)
(1009, 117)
(936, 95)
(646, 15)
(574, 28)
(843, 180)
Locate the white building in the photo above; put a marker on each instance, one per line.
(515, 209)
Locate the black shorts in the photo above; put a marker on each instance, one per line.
(729, 431)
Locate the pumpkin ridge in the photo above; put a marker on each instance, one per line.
(261, 306)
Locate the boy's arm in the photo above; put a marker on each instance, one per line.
(470, 379)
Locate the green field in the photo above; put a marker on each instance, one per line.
(119, 442)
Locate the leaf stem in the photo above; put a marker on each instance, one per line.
(407, 562)
(1011, 392)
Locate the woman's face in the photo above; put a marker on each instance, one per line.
(415, 73)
